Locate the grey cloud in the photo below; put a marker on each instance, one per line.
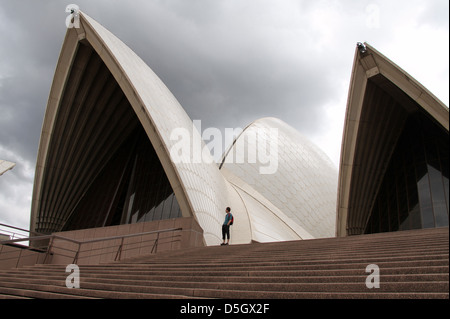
(26, 70)
(227, 62)
(224, 74)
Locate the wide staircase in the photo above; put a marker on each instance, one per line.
(412, 264)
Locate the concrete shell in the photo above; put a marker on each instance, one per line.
(299, 179)
(373, 124)
(159, 113)
(6, 166)
(201, 188)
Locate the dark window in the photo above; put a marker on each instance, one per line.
(132, 188)
(150, 196)
(414, 192)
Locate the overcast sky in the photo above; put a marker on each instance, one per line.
(228, 62)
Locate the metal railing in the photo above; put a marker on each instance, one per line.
(15, 232)
(50, 250)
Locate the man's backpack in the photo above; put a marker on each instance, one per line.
(232, 220)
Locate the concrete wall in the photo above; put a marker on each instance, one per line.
(103, 251)
(12, 256)
(64, 252)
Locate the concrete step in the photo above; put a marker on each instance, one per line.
(29, 292)
(3, 296)
(233, 294)
(60, 291)
(387, 273)
(330, 265)
(242, 263)
(311, 246)
(212, 253)
(243, 275)
(291, 255)
(210, 290)
(57, 279)
(413, 264)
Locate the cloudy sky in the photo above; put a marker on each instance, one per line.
(228, 62)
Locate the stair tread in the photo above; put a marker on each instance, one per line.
(413, 264)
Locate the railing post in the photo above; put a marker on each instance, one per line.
(49, 248)
(37, 258)
(48, 251)
(75, 259)
(18, 259)
(155, 245)
(119, 251)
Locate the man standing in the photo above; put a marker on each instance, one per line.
(226, 226)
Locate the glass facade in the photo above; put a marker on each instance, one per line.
(149, 195)
(415, 192)
(132, 187)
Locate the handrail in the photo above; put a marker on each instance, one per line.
(42, 237)
(13, 241)
(21, 229)
(13, 231)
(51, 238)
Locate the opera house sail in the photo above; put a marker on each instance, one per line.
(107, 155)
(6, 166)
(394, 158)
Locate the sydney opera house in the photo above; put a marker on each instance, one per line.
(106, 155)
